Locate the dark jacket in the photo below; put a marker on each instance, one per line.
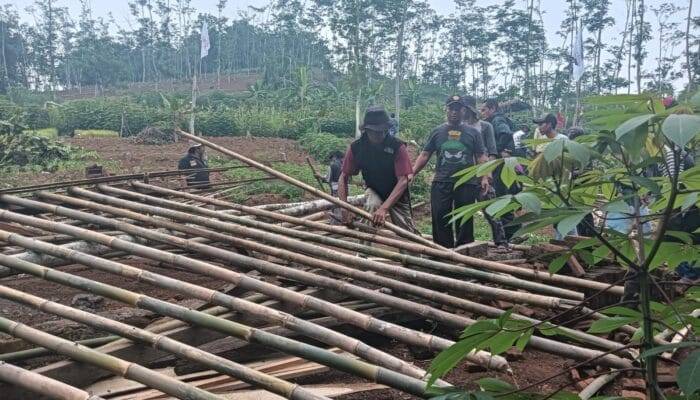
(377, 163)
(503, 130)
(191, 162)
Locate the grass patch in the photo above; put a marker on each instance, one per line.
(291, 193)
(95, 133)
(49, 133)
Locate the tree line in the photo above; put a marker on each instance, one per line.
(497, 50)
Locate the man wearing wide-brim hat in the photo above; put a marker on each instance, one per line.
(194, 159)
(385, 166)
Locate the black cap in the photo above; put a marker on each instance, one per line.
(376, 119)
(550, 118)
(470, 103)
(454, 99)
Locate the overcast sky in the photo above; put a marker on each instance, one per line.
(553, 15)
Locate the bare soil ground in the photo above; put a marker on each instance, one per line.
(121, 156)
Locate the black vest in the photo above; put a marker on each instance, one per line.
(377, 163)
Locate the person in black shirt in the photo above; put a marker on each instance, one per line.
(335, 163)
(458, 146)
(194, 159)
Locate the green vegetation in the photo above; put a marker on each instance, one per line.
(272, 186)
(49, 133)
(22, 152)
(599, 173)
(88, 133)
(320, 145)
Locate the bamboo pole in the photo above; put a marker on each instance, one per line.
(358, 319)
(426, 311)
(117, 366)
(411, 247)
(40, 384)
(279, 237)
(84, 246)
(460, 322)
(160, 342)
(41, 352)
(288, 346)
(355, 210)
(299, 325)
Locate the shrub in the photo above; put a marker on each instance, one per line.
(21, 151)
(218, 122)
(320, 144)
(36, 117)
(416, 123)
(46, 132)
(343, 127)
(106, 114)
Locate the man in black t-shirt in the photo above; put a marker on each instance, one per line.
(458, 146)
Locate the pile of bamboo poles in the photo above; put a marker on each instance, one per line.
(256, 250)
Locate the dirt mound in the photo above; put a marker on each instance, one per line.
(154, 136)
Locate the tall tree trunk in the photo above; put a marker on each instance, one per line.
(629, 54)
(640, 42)
(5, 73)
(528, 84)
(399, 65)
(620, 56)
(687, 47)
(599, 50)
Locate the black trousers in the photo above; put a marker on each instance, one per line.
(502, 190)
(443, 199)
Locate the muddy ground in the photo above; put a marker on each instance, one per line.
(120, 156)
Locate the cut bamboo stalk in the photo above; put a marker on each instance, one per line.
(84, 246)
(307, 328)
(220, 364)
(597, 384)
(544, 344)
(412, 247)
(279, 237)
(429, 312)
(115, 365)
(289, 346)
(358, 319)
(355, 210)
(40, 384)
(41, 352)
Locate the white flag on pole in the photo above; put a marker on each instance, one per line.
(205, 40)
(577, 55)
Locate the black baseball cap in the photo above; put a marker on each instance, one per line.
(454, 99)
(550, 118)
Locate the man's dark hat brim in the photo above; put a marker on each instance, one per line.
(375, 127)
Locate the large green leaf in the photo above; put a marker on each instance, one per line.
(632, 124)
(529, 201)
(498, 205)
(681, 128)
(568, 224)
(508, 174)
(558, 263)
(579, 152)
(553, 150)
(688, 373)
(666, 347)
(606, 325)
